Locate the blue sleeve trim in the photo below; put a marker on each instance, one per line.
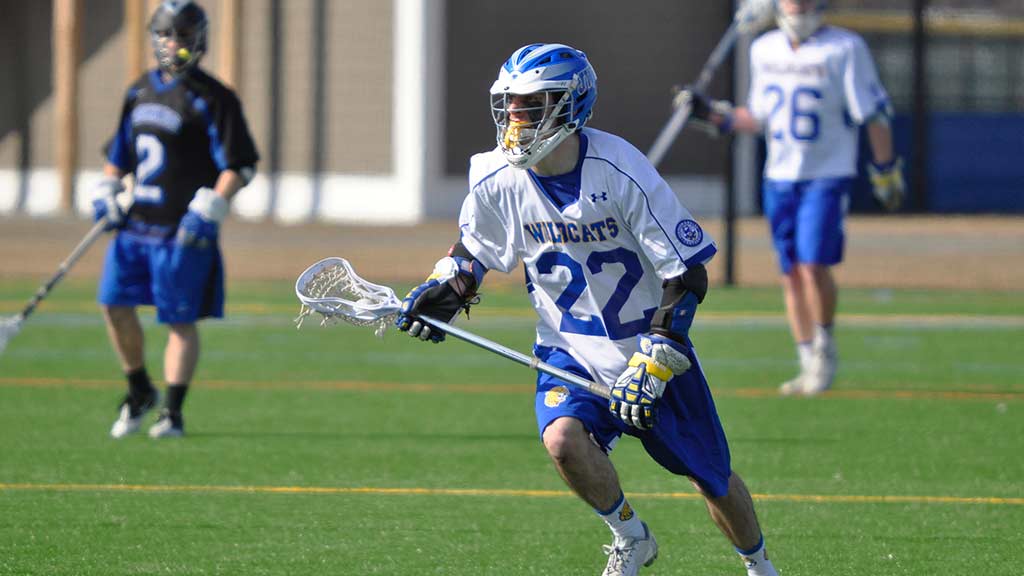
(647, 202)
(701, 257)
(120, 152)
(216, 147)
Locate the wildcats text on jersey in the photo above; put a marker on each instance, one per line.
(157, 115)
(571, 232)
(795, 69)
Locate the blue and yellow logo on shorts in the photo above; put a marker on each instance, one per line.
(556, 396)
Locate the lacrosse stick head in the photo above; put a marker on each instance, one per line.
(332, 289)
(9, 328)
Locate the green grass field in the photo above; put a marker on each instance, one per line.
(328, 451)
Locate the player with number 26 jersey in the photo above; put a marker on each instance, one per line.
(813, 90)
(594, 261)
(811, 102)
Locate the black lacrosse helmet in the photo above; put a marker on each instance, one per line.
(184, 22)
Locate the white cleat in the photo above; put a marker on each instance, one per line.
(131, 416)
(168, 426)
(794, 386)
(626, 555)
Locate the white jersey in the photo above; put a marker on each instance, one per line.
(594, 268)
(811, 100)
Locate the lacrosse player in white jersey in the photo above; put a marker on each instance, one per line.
(811, 88)
(615, 269)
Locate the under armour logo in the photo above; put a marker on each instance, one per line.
(602, 196)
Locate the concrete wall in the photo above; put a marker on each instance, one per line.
(367, 110)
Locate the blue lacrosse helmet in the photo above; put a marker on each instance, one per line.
(799, 27)
(563, 88)
(184, 22)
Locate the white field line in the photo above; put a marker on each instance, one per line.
(260, 314)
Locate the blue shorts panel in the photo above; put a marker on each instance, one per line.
(184, 283)
(806, 220)
(687, 439)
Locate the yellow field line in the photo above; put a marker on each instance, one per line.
(524, 388)
(308, 490)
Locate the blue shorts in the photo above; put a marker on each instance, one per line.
(184, 283)
(806, 220)
(687, 438)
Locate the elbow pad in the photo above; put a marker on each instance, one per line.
(679, 300)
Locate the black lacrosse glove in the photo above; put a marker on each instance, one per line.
(711, 116)
(450, 288)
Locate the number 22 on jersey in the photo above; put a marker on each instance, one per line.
(608, 323)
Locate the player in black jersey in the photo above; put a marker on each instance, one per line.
(184, 138)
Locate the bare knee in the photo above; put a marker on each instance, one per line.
(183, 331)
(119, 316)
(565, 437)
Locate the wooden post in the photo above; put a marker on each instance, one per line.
(228, 34)
(66, 32)
(135, 38)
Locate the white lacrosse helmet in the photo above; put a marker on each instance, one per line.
(568, 85)
(799, 27)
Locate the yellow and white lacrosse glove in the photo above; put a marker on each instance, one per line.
(887, 182)
(635, 394)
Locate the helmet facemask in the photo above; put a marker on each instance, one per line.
(799, 26)
(185, 24)
(538, 122)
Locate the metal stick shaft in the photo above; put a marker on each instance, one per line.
(95, 232)
(681, 114)
(10, 327)
(530, 361)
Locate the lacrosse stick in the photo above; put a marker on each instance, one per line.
(750, 17)
(9, 327)
(332, 289)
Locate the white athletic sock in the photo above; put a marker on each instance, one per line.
(756, 561)
(822, 336)
(805, 351)
(622, 519)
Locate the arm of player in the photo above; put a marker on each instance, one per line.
(717, 117)
(451, 287)
(885, 169)
(662, 354)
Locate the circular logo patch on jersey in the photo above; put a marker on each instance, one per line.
(689, 232)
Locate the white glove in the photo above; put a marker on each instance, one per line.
(105, 202)
(755, 15)
(209, 205)
(636, 392)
